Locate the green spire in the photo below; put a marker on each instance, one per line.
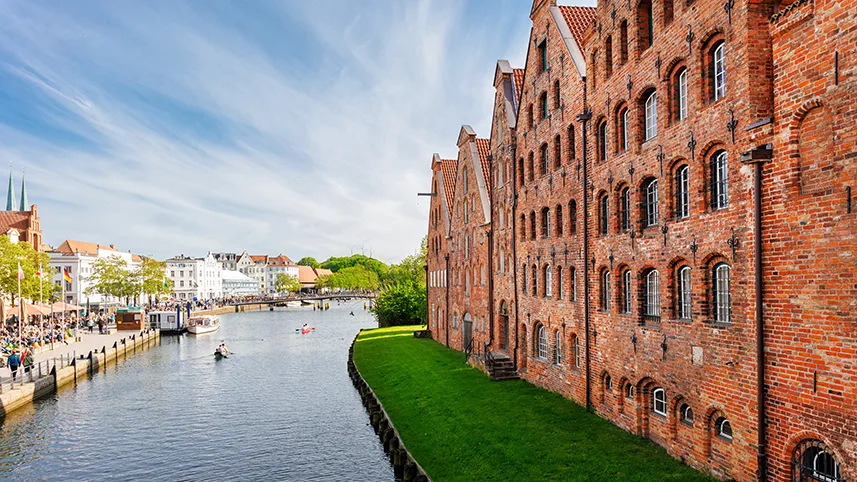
(25, 203)
(10, 197)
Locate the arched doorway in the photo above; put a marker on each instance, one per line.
(504, 325)
(467, 336)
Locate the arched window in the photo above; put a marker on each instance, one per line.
(650, 213)
(719, 180)
(543, 105)
(718, 71)
(682, 192)
(524, 278)
(626, 291)
(623, 41)
(652, 307)
(543, 54)
(560, 283)
(608, 56)
(722, 293)
(680, 93)
(608, 383)
(651, 115)
(523, 226)
(547, 275)
(625, 209)
(602, 140)
(544, 161)
(575, 351)
(645, 26)
(723, 428)
(531, 168)
(686, 414)
(572, 153)
(557, 349)
(572, 217)
(542, 343)
(546, 223)
(532, 225)
(629, 391)
(603, 214)
(559, 222)
(572, 288)
(535, 279)
(659, 401)
(557, 152)
(605, 290)
(556, 98)
(813, 461)
(521, 172)
(684, 308)
(623, 129)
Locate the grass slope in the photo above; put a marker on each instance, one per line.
(460, 425)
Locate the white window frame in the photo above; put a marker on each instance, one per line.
(560, 283)
(651, 116)
(721, 181)
(627, 290)
(608, 383)
(653, 293)
(652, 203)
(682, 95)
(629, 391)
(625, 200)
(542, 343)
(573, 286)
(605, 291)
(683, 192)
(557, 347)
(659, 405)
(719, 74)
(575, 351)
(722, 293)
(721, 432)
(685, 300)
(685, 411)
(548, 281)
(625, 129)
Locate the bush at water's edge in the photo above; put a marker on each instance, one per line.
(403, 303)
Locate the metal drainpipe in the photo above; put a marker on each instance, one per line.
(427, 291)
(446, 317)
(490, 273)
(585, 117)
(514, 245)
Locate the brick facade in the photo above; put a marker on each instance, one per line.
(623, 227)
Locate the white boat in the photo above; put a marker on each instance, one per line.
(198, 325)
(293, 304)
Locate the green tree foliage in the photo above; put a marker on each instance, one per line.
(309, 261)
(287, 283)
(402, 303)
(153, 277)
(337, 264)
(13, 253)
(352, 278)
(111, 276)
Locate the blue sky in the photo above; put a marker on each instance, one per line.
(295, 127)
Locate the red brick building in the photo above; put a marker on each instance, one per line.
(673, 232)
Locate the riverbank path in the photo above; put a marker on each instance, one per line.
(88, 342)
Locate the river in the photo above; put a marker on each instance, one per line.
(280, 408)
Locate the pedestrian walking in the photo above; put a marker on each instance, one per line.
(90, 324)
(14, 361)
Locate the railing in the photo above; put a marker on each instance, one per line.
(468, 350)
(35, 371)
(489, 357)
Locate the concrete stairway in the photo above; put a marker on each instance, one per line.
(502, 367)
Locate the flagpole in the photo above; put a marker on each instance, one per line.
(20, 310)
(41, 302)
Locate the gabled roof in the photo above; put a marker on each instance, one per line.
(71, 247)
(484, 147)
(19, 220)
(518, 76)
(449, 170)
(281, 260)
(261, 258)
(578, 19)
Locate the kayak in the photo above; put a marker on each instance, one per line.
(219, 356)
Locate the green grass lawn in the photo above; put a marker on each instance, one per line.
(461, 425)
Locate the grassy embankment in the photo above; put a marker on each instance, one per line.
(460, 425)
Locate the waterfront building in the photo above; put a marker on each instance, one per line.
(195, 278)
(670, 228)
(308, 275)
(229, 261)
(78, 257)
(20, 222)
(277, 265)
(236, 284)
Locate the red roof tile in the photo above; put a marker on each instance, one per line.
(518, 75)
(71, 247)
(449, 170)
(578, 20)
(484, 148)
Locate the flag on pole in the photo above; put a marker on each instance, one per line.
(20, 272)
(66, 275)
(39, 272)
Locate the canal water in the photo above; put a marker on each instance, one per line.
(280, 408)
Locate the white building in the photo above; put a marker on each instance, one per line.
(280, 265)
(77, 258)
(195, 278)
(237, 284)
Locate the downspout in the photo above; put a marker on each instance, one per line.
(427, 294)
(515, 245)
(757, 157)
(584, 118)
(446, 317)
(491, 189)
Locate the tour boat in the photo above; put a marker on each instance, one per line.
(198, 325)
(293, 304)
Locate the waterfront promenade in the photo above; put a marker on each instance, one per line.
(88, 342)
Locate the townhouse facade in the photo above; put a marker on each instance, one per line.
(671, 228)
(195, 278)
(78, 259)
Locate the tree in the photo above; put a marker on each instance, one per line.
(112, 277)
(352, 278)
(287, 283)
(11, 254)
(309, 261)
(403, 303)
(337, 264)
(153, 277)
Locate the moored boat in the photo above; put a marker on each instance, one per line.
(198, 325)
(293, 304)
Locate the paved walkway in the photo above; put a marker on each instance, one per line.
(88, 342)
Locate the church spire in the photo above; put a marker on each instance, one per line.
(10, 197)
(24, 201)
